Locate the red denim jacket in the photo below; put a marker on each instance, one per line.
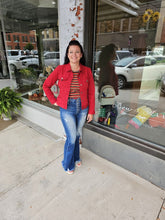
(63, 74)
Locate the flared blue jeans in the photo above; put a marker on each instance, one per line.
(73, 119)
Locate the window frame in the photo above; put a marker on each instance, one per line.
(156, 150)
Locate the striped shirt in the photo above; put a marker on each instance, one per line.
(75, 87)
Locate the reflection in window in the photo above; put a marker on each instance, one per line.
(141, 62)
(136, 29)
(26, 48)
(8, 38)
(14, 37)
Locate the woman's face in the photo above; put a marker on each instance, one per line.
(74, 54)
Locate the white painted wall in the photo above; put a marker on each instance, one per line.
(71, 23)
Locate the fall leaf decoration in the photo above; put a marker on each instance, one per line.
(76, 35)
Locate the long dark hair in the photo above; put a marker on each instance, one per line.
(74, 43)
(106, 56)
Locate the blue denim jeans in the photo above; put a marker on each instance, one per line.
(73, 119)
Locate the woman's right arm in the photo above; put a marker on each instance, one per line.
(49, 82)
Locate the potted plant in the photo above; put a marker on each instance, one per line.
(10, 102)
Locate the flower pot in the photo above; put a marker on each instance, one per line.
(5, 118)
(10, 102)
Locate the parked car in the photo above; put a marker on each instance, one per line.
(15, 54)
(32, 61)
(52, 59)
(159, 58)
(24, 62)
(120, 54)
(134, 69)
(34, 52)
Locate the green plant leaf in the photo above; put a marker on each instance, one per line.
(10, 101)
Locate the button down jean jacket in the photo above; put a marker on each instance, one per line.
(63, 75)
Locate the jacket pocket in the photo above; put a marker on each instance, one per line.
(64, 80)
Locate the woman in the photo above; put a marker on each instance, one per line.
(107, 71)
(76, 100)
(108, 77)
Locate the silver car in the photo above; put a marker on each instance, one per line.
(23, 62)
(120, 54)
(52, 59)
(14, 54)
(139, 68)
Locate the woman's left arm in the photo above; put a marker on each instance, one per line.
(89, 118)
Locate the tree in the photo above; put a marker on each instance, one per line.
(29, 46)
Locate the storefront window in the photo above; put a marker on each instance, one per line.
(138, 31)
(27, 55)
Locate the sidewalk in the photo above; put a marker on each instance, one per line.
(34, 185)
(7, 82)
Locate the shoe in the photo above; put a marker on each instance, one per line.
(78, 163)
(70, 172)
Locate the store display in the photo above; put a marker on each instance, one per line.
(143, 115)
(157, 120)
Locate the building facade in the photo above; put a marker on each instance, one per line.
(135, 26)
(20, 40)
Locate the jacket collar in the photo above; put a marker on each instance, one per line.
(68, 67)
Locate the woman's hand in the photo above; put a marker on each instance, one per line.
(89, 118)
(55, 104)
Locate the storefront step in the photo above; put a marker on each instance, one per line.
(45, 117)
(141, 163)
(147, 165)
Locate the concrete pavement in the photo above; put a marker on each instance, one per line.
(34, 186)
(8, 82)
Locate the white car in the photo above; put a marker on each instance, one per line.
(140, 68)
(120, 54)
(23, 62)
(52, 59)
(14, 54)
(31, 62)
